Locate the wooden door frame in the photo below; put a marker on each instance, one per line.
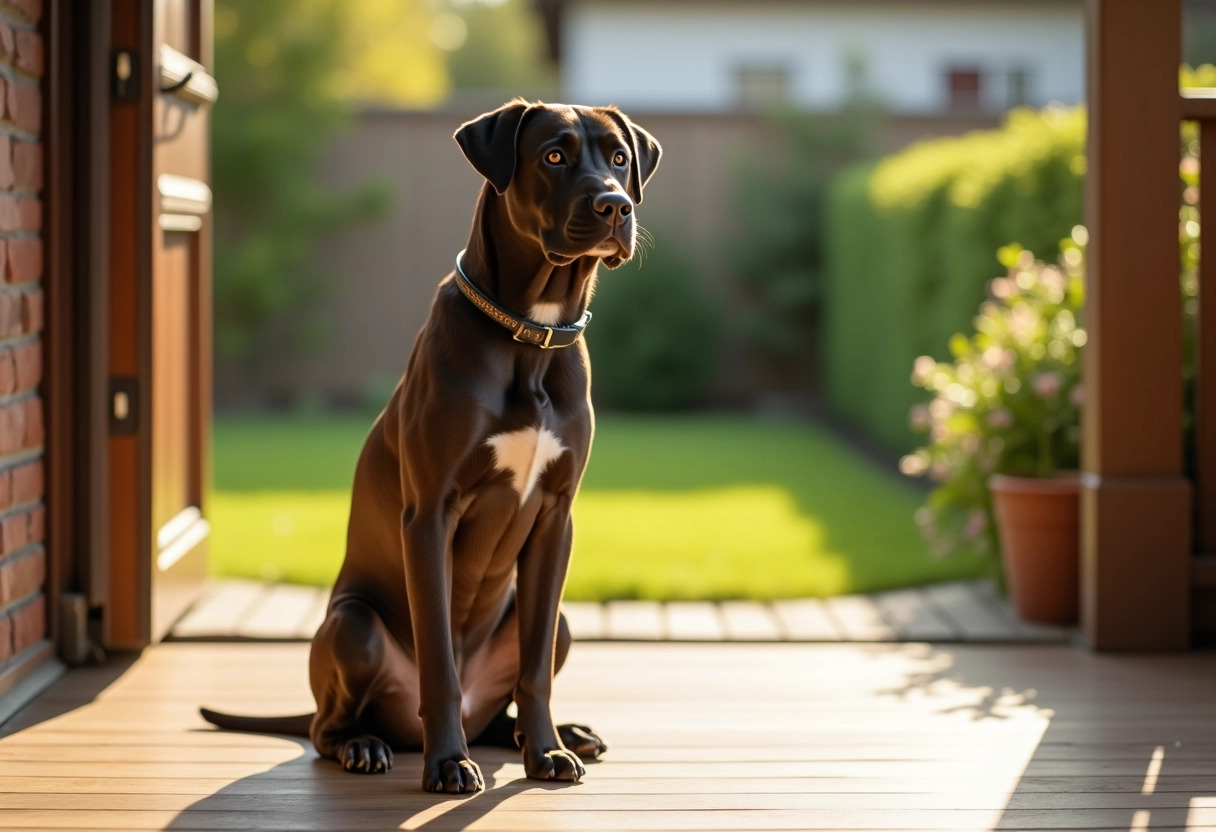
(61, 390)
(77, 251)
(93, 512)
(128, 611)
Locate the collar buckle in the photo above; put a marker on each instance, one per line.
(524, 335)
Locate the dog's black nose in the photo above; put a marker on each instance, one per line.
(613, 206)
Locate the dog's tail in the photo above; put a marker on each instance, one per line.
(295, 726)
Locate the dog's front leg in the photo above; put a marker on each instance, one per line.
(446, 766)
(541, 578)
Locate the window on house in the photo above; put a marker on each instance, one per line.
(761, 86)
(1018, 87)
(964, 86)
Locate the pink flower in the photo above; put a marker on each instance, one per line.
(1046, 385)
(922, 369)
(1077, 396)
(1003, 287)
(998, 359)
(1051, 277)
(1022, 321)
(1000, 419)
(918, 418)
(941, 409)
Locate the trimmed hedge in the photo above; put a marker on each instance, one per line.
(912, 242)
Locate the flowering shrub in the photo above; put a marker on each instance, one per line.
(1010, 400)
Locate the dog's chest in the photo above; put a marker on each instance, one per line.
(524, 454)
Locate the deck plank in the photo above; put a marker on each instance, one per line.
(221, 611)
(912, 616)
(315, 617)
(585, 619)
(986, 594)
(860, 618)
(748, 621)
(976, 617)
(280, 613)
(805, 619)
(693, 621)
(634, 620)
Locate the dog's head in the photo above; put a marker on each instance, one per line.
(570, 176)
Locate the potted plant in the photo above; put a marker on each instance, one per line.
(1004, 433)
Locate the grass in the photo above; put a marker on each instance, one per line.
(687, 507)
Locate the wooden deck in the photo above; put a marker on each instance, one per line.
(955, 612)
(703, 737)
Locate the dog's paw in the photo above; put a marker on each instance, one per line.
(582, 741)
(367, 755)
(454, 774)
(558, 764)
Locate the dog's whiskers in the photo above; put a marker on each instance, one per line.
(644, 243)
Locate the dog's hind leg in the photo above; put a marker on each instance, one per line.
(366, 690)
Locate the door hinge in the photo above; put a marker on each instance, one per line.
(124, 406)
(124, 76)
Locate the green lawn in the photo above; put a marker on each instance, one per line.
(687, 507)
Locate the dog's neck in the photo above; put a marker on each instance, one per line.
(511, 269)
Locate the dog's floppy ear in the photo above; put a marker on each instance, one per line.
(644, 150)
(488, 142)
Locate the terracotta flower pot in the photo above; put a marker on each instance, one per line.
(1038, 520)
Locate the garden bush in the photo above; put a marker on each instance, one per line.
(910, 247)
(654, 338)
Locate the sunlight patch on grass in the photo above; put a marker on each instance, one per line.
(747, 541)
(293, 536)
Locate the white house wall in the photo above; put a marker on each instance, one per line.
(683, 55)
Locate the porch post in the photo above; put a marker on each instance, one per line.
(1136, 503)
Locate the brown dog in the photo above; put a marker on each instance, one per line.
(446, 608)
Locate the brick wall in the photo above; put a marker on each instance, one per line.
(23, 610)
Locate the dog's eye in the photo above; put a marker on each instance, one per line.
(555, 157)
(619, 159)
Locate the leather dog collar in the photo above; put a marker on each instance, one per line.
(522, 330)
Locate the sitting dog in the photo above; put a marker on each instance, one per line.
(446, 609)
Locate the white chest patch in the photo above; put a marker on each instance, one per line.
(549, 314)
(525, 453)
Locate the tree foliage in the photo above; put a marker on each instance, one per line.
(276, 115)
(504, 50)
